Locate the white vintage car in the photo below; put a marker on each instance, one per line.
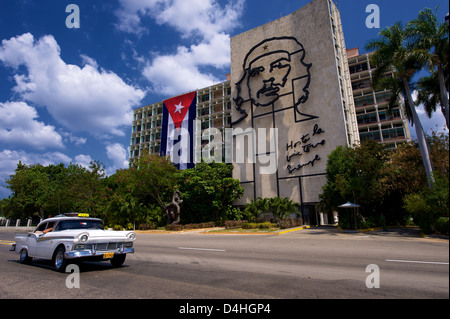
(65, 239)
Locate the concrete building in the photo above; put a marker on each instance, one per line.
(287, 104)
(374, 120)
(291, 75)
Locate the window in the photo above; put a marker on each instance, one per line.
(41, 227)
(79, 224)
(367, 118)
(361, 84)
(359, 68)
(366, 100)
(370, 136)
(383, 97)
(393, 133)
(204, 98)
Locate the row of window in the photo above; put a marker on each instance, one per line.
(359, 68)
(387, 134)
(383, 116)
(369, 99)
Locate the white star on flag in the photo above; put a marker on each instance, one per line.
(179, 107)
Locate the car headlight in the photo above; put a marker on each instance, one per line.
(83, 238)
(131, 236)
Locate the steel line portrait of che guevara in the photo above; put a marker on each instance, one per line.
(272, 69)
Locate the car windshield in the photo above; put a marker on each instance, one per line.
(80, 224)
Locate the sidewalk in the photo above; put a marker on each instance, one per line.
(396, 231)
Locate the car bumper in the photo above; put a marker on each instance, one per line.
(89, 253)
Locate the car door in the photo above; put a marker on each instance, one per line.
(33, 238)
(44, 241)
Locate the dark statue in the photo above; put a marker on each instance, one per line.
(173, 209)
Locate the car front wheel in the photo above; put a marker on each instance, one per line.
(59, 260)
(23, 257)
(118, 260)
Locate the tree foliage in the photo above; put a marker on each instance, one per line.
(270, 208)
(129, 198)
(208, 192)
(380, 179)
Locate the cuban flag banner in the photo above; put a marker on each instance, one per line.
(177, 136)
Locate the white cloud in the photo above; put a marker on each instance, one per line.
(83, 160)
(69, 137)
(206, 21)
(118, 155)
(85, 99)
(175, 74)
(19, 127)
(10, 158)
(205, 17)
(131, 13)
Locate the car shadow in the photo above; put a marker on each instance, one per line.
(85, 266)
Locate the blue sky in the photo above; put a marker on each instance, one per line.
(67, 94)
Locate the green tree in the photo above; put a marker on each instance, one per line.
(137, 195)
(431, 43)
(54, 189)
(428, 206)
(429, 94)
(354, 174)
(30, 190)
(208, 192)
(84, 187)
(393, 51)
(153, 180)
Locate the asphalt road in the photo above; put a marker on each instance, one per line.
(306, 264)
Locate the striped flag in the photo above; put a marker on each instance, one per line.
(177, 136)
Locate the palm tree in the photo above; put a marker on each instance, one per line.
(430, 41)
(392, 52)
(429, 94)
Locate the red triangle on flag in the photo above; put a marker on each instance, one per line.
(179, 106)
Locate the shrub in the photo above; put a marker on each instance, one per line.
(190, 226)
(234, 223)
(268, 208)
(174, 227)
(289, 222)
(265, 225)
(199, 226)
(429, 206)
(148, 226)
(442, 225)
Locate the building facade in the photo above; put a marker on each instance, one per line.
(287, 104)
(375, 122)
(291, 76)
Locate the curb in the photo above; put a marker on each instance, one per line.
(293, 229)
(276, 233)
(207, 231)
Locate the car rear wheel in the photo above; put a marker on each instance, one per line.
(23, 256)
(59, 260)
(118, 260)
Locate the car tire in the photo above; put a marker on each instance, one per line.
(23, 257)
(118, 260)
(59, 261)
